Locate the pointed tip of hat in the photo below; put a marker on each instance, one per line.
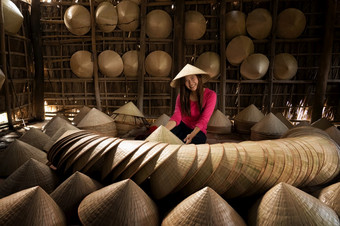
(334, 133)
(330, 195)
(81, 114)
(129, 109)
(270, 125)
(161, 120)
(284, 120)
(219, 119)
(54, 124)
(322, 123)
(35, 137)
(162, 134)
(189, 69)
(94, 117)
(250, 114)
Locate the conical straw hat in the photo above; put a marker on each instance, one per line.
(259, 23)
(291, 23)
(128, 15)
(255, 66)
(135, 1)
(2, 78)
(81, 114)
(13, 18)
(158, 24)
(287, 205)
(322, 123)
(284, 120)
(129, 109)
(110, 63)
(189, 69)
(270, 125)
(106, 17)
(235, 22)
(195, 25)
(127, 123)
(219, 123)
(94, 118)
(161, 120)
(250, 114)
(32, 206)
(209, 62)
(158, 63)
(81, 64)
(330, 195)
(57, 135)
(121, 203)
(238, 49)
(285, 66)
(77, 19)
(130, 63)
(204, 207)
(334, 133)
(162, 134)
(51, 127)
(35, 137)
(32, 173)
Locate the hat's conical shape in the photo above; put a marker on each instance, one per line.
(161, 120)
(127, 123)
(162, 134)
(57, 135)
(81, 114)
(219, 123)
(77, 19)
(238, 49)
(330, 195)
(121, 203)
(130, 63)
(16, 154)
(106, 17)
(195, 25)
(322, 123)
(235, 22)
(158, 24)
(255, 66)
(291, 23)
(209, 62)
(2, 78)
(158, 63)
(35, 137)
(248, 117)
(189, 69)
(32, 173)
(81, 64)
(204, 207)
(31, 206)
(286, 205)
(135, 1)
(285, 66)
(334, 133)
(110, 63)
(128, 15)
(129, 109)
(13, 18)
(270, 125)
(259, 23)
(54, 125)
(284, 120)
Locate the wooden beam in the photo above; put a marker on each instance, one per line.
(222, 56)
(141, 57)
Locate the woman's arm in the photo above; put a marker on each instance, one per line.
(208, 110)
(191, 135)
(170, 125)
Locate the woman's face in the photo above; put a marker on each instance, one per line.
(191, 82)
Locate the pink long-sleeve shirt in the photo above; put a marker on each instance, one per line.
(197, 118)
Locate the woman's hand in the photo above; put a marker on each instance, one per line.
(188, 139)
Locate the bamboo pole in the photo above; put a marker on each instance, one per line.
(141, 57)
(223, 56)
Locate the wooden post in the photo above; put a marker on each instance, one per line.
(95, 58)
(222, 56)
(325, 61)
(141, 57)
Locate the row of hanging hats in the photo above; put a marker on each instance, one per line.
(12, 16)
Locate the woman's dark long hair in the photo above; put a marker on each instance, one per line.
(185, 96)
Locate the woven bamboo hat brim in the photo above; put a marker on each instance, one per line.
(270, 125)
(204, 207)
(77, 19)
(219, 123)
(58, 134)
(2, 78)
(93, 118)
(158, 24)
(110, 63)
(334, 133)
(35, 137)
(171, 173)
(238, 49)
(259, 23)
(13, 17)
(284, 120)
(285, 66)
(209, 62)
(128, 15)
(32, 206)
(322, 123)
(32, 173)
(305, 131)
(121, 203)
(130, 63)
(106, 17)
(162, 134)
(158, 63)
(161, 120)
(54, 124)
(81, 114)
(195, 25)
(287, 205)
(189, 69)
(291, 23)
(235, 22)
(129, 109)
(16, 154)
(81, 64)
(255, 66)
(330, 195)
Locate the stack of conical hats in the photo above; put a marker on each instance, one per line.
(57, 135)
(334, 133)
(77, 19)
(2, 78)
(36, 138)
(246, 118)
(284, 120)
(81, 114)
(269, 127)
(162, 134)
(330, 195)
(57, 122)
(322, 123)
(161, 120)
(219, 123)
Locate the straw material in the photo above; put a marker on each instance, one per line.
(110, 63)
(330, 195)
(2, 78)
(235, 24)
(287, 205)
(204, 207)
(195, 25)
(35, 137)
(16, 154)
(121, 203)
(58, 134)
(135, 1)
(219, 123)
(51, 127)
(334, 133)
(130, 63)
(162, 134)
(209, 62)
(81, 114)
(31, 206)
(255, 66)
(158, 24)
(126, 123)
(269, 125)
(77, 19)
(128, 15)
(106, 17)
(158, 64)
(259, 23)
(284, 120)
(303, 131)
(189, 69)
(246, 118)
(291, 23)
(13, 18)
(285, 66)
(322, 123)
(81, 64)
(129, 109)
(238, 49)
(161, 120)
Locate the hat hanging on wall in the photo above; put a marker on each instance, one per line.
(2, 78)
(195, 25)
(77, 19)
(189, 69)
(106, 16)
(291, 23)
(135, 1)
(110, 63)
(128, 15)
(209, 62)
(259, 23)
(81, 64)
(285, 66)
(255, 66)
(158, 24)
(12, 17)
(238, 49)
(235, 24)
(130, 63)
(158, 63)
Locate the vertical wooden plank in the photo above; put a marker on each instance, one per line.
(141, 57)
(222, 56)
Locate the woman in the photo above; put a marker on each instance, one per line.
(194, 105)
